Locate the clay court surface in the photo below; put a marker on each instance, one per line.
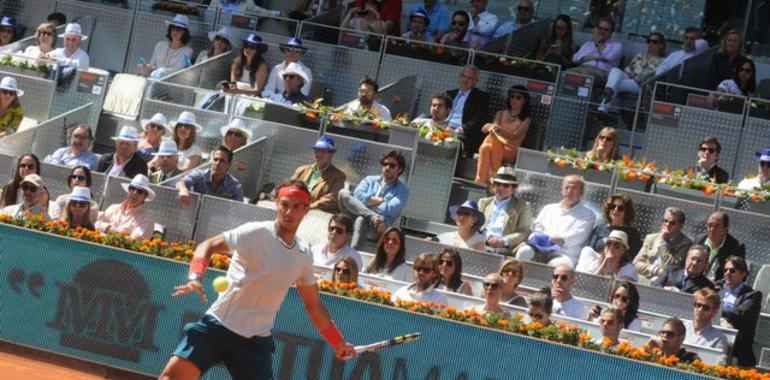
(23, 364)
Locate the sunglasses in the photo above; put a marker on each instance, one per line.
(698, 305)
(7, 92)
(156, 127)
(173, 27)
(608, 322)
(731, 270)
(447, 263)
(614, 206)
(77, 177)
(492, 285)
(523, 9)
(654, 41)
(708, 149)
(188, 126)
(604, 138)
(464, 213)
(392, 241)
(764, 164)
(423, 269)
(667, 333)
(137, 190)
(517, 97)
(337, 230)
(79, 204)
(560, 277)
(391, 165)
(234, 134)
(46, 33)
(290, 76)
(249, 46)
(28, 188)
(27, 166)
(342, 270)
(459, 23)
(496, 184)
(621, 297)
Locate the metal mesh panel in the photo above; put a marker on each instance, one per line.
(474, 262)
(38, 95)
(649, 210)
(431, 182)
(178, 220)
(756, 133)
(252, 156)
(359, 158)
(589, 286)
(541, 189)
(50, 135)
(667, 17)
(184, 95)
(108, 39)
(89, 86)
(210, 121)
(751, 229)
(575, 9)
(218, 215)
(7, 164)
(28, 13)
(667, 302)
(17, 143)
(280, 26)
(205, 74)
(286, 149)
(567, 126)
(526, 40)
(762, 336)
(695, 71)
(57, 181)
(764, 358)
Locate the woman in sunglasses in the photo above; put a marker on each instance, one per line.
(389, 258)
(78, 211)
(613, 261)
(541, 306)
(558, 47)
(493, 284)
(45, 35)
(605, 147)
(469, 220)
(624, 297)
(220, 44)
(11, 112)
(248, 74)
(743, 82)
(619, 213)
(172, 55)
(450, 270)
(25, 165)
(345, 271)
(512, 273)
(79, 176)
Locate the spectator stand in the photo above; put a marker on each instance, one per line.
(525, 41)
(262, 24)
(38, 94)
(56, 182)
(667, 17)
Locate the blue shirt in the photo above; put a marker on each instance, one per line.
(456, 116)
(495, 223)
(439, 16)
(394, 196)
(200, 182)
(729, 296)
(63, 157)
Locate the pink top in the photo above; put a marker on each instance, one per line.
(510, 127)
(136, 222)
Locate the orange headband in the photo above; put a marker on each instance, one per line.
(294, 191)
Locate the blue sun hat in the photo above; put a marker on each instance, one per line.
(293, 44)
(543, 243)
(326, 143)
(763, 156)
(256, 40)
(471, 206)
(180, 21)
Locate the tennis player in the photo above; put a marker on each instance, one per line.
(267, 259)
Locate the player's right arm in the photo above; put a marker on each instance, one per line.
(199, 263)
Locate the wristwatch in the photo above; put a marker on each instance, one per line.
(194, 277)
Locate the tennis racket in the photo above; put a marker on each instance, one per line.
(388, 343)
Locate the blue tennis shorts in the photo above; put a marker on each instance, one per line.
(206, 343)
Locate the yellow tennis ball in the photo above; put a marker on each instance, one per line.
(220, 284)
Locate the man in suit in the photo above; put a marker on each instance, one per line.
(709, 151)
(168, 158)
(125, 162)
(692, 276)
(322, 178)
(508, 219)
(470, 110)
(740, 309)
(719, 243)
(664, 249)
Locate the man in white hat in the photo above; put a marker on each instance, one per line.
(214, 181)
(130, 216)
(294, 80)
(167, 160)
(71, 54)
(293, 51)
(32, 190)
(78, 152)
(125, 161)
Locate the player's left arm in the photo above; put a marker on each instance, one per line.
(323, 322)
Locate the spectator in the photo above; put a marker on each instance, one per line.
(693, 45)
(610, 323)
(512, 273)
(323, 178)
(709, 151)
(469, 220)
(71, 54)
(624, 298)
(389, 257)
(172, 55)
(505, 134)
(221, 42)
(166, 162)
(450, 272)
(294, 80)
(248, 74)
(186, 130)
(740, 309)
(508, 218)
(440, 107)
(26, 164)
(605, 146)
(57, 19)
(378, 199)
(743, 81)
(336, 247)
(618, 211)
(79, 177)
(130, 216)
(459, 34)
(664, 249)
(484, 22)
(125, 161)
(558, 46)
(45, 36)
(491, 296)
(763, 172)
(214, 181)
(33, 199)
(154, 130)
(439, 16)
(293, 51)
(80, 210)
(598, 56)
(670, 339)
(524, 15)
(423, 289)
(561, 229)
(469, 110)
(11, 113)
(541, 306)
(345, 271)
(700, 332)
(562, 281)
(7, 30)
(641, 68)
(367, 92)
(365, 18)
(728, 59)
(235, 135)
(719, 243)
(418, 27)
(79, 150)
(690, 278)
(309, 8)
(614, 260)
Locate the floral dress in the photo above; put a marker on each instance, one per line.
(10, 120)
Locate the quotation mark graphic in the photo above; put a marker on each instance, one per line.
(17, 278)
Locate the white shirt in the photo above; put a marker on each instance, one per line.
(410, 293)
(378, 109)
(321, 255)
(260, 274)
(184, 155)
(79, 58)
(571, 308)
(485, 28)
(749, 183)
(169, 59)
(573, 225)
(680, 56)
(401, 273)
(454, 239)
(590, 264)
(32, 52)
(275, 81)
